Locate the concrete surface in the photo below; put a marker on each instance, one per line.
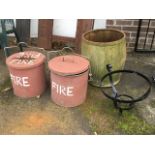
(96, 116)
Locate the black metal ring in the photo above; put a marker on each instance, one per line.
(127, 101)
(130, 106)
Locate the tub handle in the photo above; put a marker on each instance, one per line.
(90, 75)
(67, 48)
(6, 50)
(61, 51)
(20, 45)
(72, 52)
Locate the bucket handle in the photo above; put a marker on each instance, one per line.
(90, 77)
(20, 45)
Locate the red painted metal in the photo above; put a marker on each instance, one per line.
(69, 80)
(27, 73)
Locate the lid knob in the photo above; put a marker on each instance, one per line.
(68, 59)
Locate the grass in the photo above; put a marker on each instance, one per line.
(105, 119)
(129, 123)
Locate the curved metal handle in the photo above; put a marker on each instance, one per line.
(6, 48)
(22, 43)
(90, 75)
(67, 48)
(109, 69)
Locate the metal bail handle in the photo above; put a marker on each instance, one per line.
(20, 45)
(90, 76)
(67, 48)
(57, 53)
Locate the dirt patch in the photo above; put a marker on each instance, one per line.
(36, 120)
(36, 123)
(39, 116)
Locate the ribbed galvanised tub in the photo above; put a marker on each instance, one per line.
(102, 47)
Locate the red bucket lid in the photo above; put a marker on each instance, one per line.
(26, 59)
(68, 64)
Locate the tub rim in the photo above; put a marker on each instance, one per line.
(111, 43)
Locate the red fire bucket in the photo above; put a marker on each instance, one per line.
(69, 80)
(27, 73)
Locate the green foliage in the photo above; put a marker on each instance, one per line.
(129, 123)
(105, 119)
